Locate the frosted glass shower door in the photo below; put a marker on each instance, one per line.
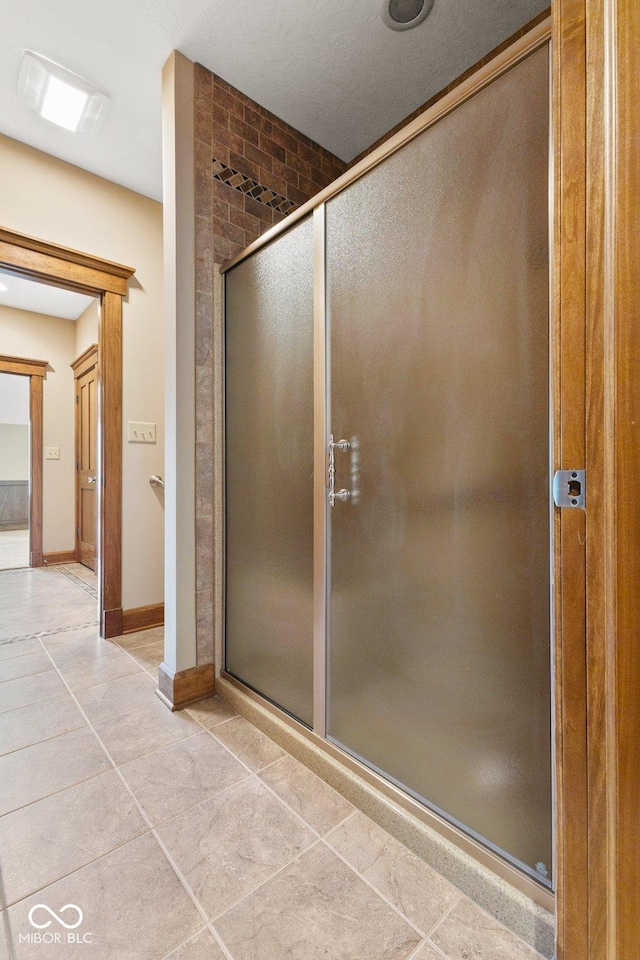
(439, 612)
(269, 467)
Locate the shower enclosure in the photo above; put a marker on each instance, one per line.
(387, 386)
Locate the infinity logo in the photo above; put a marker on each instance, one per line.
(47, 923)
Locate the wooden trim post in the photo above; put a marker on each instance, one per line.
(110, 464)
(569, 305)
(36, 411)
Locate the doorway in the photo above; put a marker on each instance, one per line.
(41, 320)
(73, 270)
(32, 373)
(404, 614)
(14, 471)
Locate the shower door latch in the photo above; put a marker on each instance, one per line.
(341, 495)
(569, 488)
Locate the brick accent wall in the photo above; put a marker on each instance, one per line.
(251, 170)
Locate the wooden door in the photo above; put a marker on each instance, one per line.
(86, 374)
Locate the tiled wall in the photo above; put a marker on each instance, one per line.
(252, 170)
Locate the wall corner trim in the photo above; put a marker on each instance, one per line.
(178, 690)
(111, 625)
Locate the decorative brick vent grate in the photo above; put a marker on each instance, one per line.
(251, 188)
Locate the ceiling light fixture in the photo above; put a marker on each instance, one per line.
(59, 95)
(405, 14)
(3, 289)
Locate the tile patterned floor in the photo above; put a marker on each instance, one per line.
(188, 836)
(36, 602)
(14, 550)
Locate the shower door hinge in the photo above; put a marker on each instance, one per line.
(569, 488)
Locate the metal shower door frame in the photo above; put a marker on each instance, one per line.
(538, 37)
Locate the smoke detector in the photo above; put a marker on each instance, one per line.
(405, 14)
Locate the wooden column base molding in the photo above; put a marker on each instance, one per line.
(64, 556)
(111, 623)
(178, 690)
(36, 559)
(143, 618)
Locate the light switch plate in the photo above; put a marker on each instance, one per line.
(141, 432)
(52, 453)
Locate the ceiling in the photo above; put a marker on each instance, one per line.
(41, 298)
(330, 68)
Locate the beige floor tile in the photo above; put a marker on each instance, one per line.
(229, 844)
(248, 743)
(141, 639)
(117, 697)
(39, 721)
(202, 947)
(90, 673)
(149, 656)
(134, 907)
(175, 778)
(427, 952)
(409, 883)
(72, 653)
(142, 731)
(311, 798)
(67, 638)
(26, 690)
(43, 769)
(35, 600)
(55, 836)
(26, 666)
(329, 912)
(470, 932)
(211, 712)
(19, 648)
(4, 950)
(83, 573)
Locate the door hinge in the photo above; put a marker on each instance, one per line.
(77, 531)
(77, 398)
(570, 488)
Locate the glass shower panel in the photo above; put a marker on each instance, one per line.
(269, 466)
(439, 610)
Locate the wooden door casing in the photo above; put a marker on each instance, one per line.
(71, 269)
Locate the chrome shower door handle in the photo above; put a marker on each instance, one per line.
(341, 495)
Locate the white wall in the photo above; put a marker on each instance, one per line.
(50, 199)
(14, 398)
(14, 427)
(87, 328)
(39, 337)
(14, 451)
